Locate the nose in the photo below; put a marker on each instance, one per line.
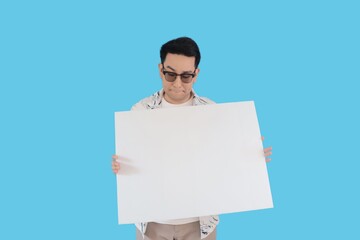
(177, 82)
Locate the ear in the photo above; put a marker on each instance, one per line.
(197, 71)
(160, 66)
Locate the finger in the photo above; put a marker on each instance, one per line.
(114, 157)
(115, 168)
(267, 149)
(115, 164)
(268, 154)
(262, 138)
(268, 159)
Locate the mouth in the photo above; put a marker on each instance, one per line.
(177, 91)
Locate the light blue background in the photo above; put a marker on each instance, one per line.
(67, 66)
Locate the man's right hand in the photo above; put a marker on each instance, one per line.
(114, 164)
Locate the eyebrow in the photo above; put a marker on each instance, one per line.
(182, 72)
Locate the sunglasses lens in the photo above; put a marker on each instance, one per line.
(186, 78)
(170, 76)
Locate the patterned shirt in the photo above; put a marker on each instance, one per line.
(207, 223)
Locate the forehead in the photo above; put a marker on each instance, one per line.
(179, 62)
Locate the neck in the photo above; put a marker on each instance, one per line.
(172, 102)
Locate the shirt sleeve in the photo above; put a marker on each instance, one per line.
(139, 106)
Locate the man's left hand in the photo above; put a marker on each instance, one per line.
(267, 152)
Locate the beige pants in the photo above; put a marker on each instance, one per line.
(189, 231)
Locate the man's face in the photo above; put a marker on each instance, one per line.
(177, 92)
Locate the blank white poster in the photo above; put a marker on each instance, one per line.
(189, 162)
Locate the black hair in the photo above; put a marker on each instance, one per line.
(183, 46)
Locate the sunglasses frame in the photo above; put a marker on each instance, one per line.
(176, 75)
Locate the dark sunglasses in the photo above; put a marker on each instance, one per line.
(185, 77)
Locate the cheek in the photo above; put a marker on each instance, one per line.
(165, 84)
(188, 88)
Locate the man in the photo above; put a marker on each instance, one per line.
(178, 71)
